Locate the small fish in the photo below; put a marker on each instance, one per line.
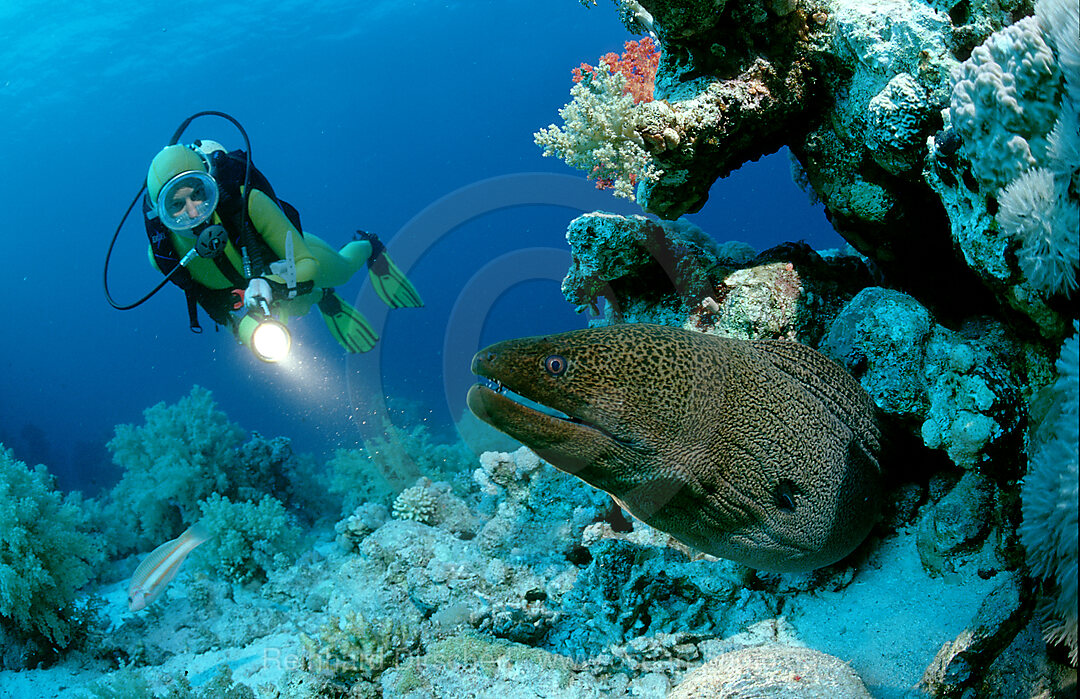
(159, 568)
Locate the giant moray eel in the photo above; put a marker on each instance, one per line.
(763, 452)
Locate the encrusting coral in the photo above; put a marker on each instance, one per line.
(1014, 102)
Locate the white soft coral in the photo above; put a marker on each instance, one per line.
(1049, 499)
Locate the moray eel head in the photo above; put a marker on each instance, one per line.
(587, 422)
(762, 452)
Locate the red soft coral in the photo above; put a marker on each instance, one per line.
(638, 65)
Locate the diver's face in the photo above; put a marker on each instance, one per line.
(186, 200)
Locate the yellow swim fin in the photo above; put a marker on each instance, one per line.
(390, 283)
(346, 324)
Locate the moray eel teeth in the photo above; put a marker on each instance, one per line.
(764, 452)
(482, 395)
(508, 400)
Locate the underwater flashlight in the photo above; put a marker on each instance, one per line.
(258, 330)
(270, 340)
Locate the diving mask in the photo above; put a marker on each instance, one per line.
(187, 200)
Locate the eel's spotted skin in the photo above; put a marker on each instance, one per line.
(764, 452)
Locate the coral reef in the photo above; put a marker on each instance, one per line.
(598, 135)
(941, 139)
(250, 539)
(855, 89)
(183, 454)
(526, 577)
(534, 513)
(629, 591)
(365, 519)
(1049, 494)
(673, 273)
(943, 142)
(768, 671)
(956, 384)
(48, 551)
(386, 465)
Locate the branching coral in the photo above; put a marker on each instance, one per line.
(598, 135)
(47, 552)
(1049, 497)
(416, 504)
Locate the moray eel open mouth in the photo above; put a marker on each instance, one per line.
(503, 402)
(500, 389)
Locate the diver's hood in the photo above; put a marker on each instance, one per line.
(187, 200)
(182, 193)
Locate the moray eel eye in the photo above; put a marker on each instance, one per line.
(555, 365)
(784, 495)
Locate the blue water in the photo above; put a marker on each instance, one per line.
(412, 120)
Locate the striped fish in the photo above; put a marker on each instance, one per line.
(159, 568)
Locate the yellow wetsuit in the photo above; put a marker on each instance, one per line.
(315, 260)
(214, 282)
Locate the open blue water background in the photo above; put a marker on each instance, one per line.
(413, 120)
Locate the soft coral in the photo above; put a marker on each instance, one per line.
(49, 549)
(638, 64)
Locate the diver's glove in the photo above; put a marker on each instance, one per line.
(390, 283)
(258, 293)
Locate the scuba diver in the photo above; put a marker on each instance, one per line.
(219, 232)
